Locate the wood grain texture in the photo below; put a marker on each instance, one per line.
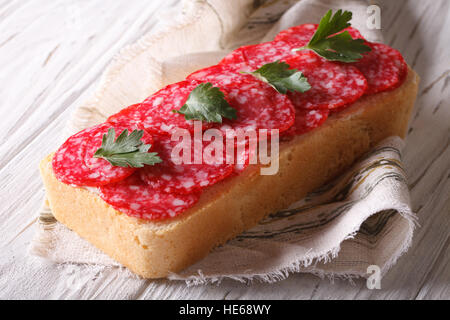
(52, 53)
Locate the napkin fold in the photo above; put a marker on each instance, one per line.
(360, 220)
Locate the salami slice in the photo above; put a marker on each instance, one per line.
(299, 36)
(131, 115)
(137, 199)
(74, 164)
(384, 68)
(187, 176)
(258, 105)
(254, 56)
(157, 115)
(306, 120)
(242, 159)
(332, 84)
(242, 150)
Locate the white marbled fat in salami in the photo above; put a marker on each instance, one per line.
(157, 110)
(131, 115)
(306, 120)
(249, 58)
(74, 163)
(333, 85)
(137, 199)
(299, 36)
(384, 68)
(258, 105)
(254, 56)
(184, 177)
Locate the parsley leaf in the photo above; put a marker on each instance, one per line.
(336, 47)
(126, 150)
(281, 78)
(207, 103)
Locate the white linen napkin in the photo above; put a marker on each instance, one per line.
(361, 219)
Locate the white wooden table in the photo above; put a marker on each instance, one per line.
(51, 55)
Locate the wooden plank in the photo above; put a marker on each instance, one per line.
(62, 53)
(427, 154)
(436, 285)
(58, 70)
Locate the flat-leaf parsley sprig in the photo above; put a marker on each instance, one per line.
(207, 103)
(126, 150)
(336, 47)
(281, 77)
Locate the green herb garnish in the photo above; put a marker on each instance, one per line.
(126, 150)
(281, 78)
(336, 47)
(207, 103)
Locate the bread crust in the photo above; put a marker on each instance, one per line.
(155, 249)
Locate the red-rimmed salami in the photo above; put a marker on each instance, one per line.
(157, 110)
(254, 56)
(131, 115)
(384, 68)
(299, 36)
(179, 172)
(137, 199)
(332, 84)
(241, 150)
(258, 105)
(74, 163)
(306, 120)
